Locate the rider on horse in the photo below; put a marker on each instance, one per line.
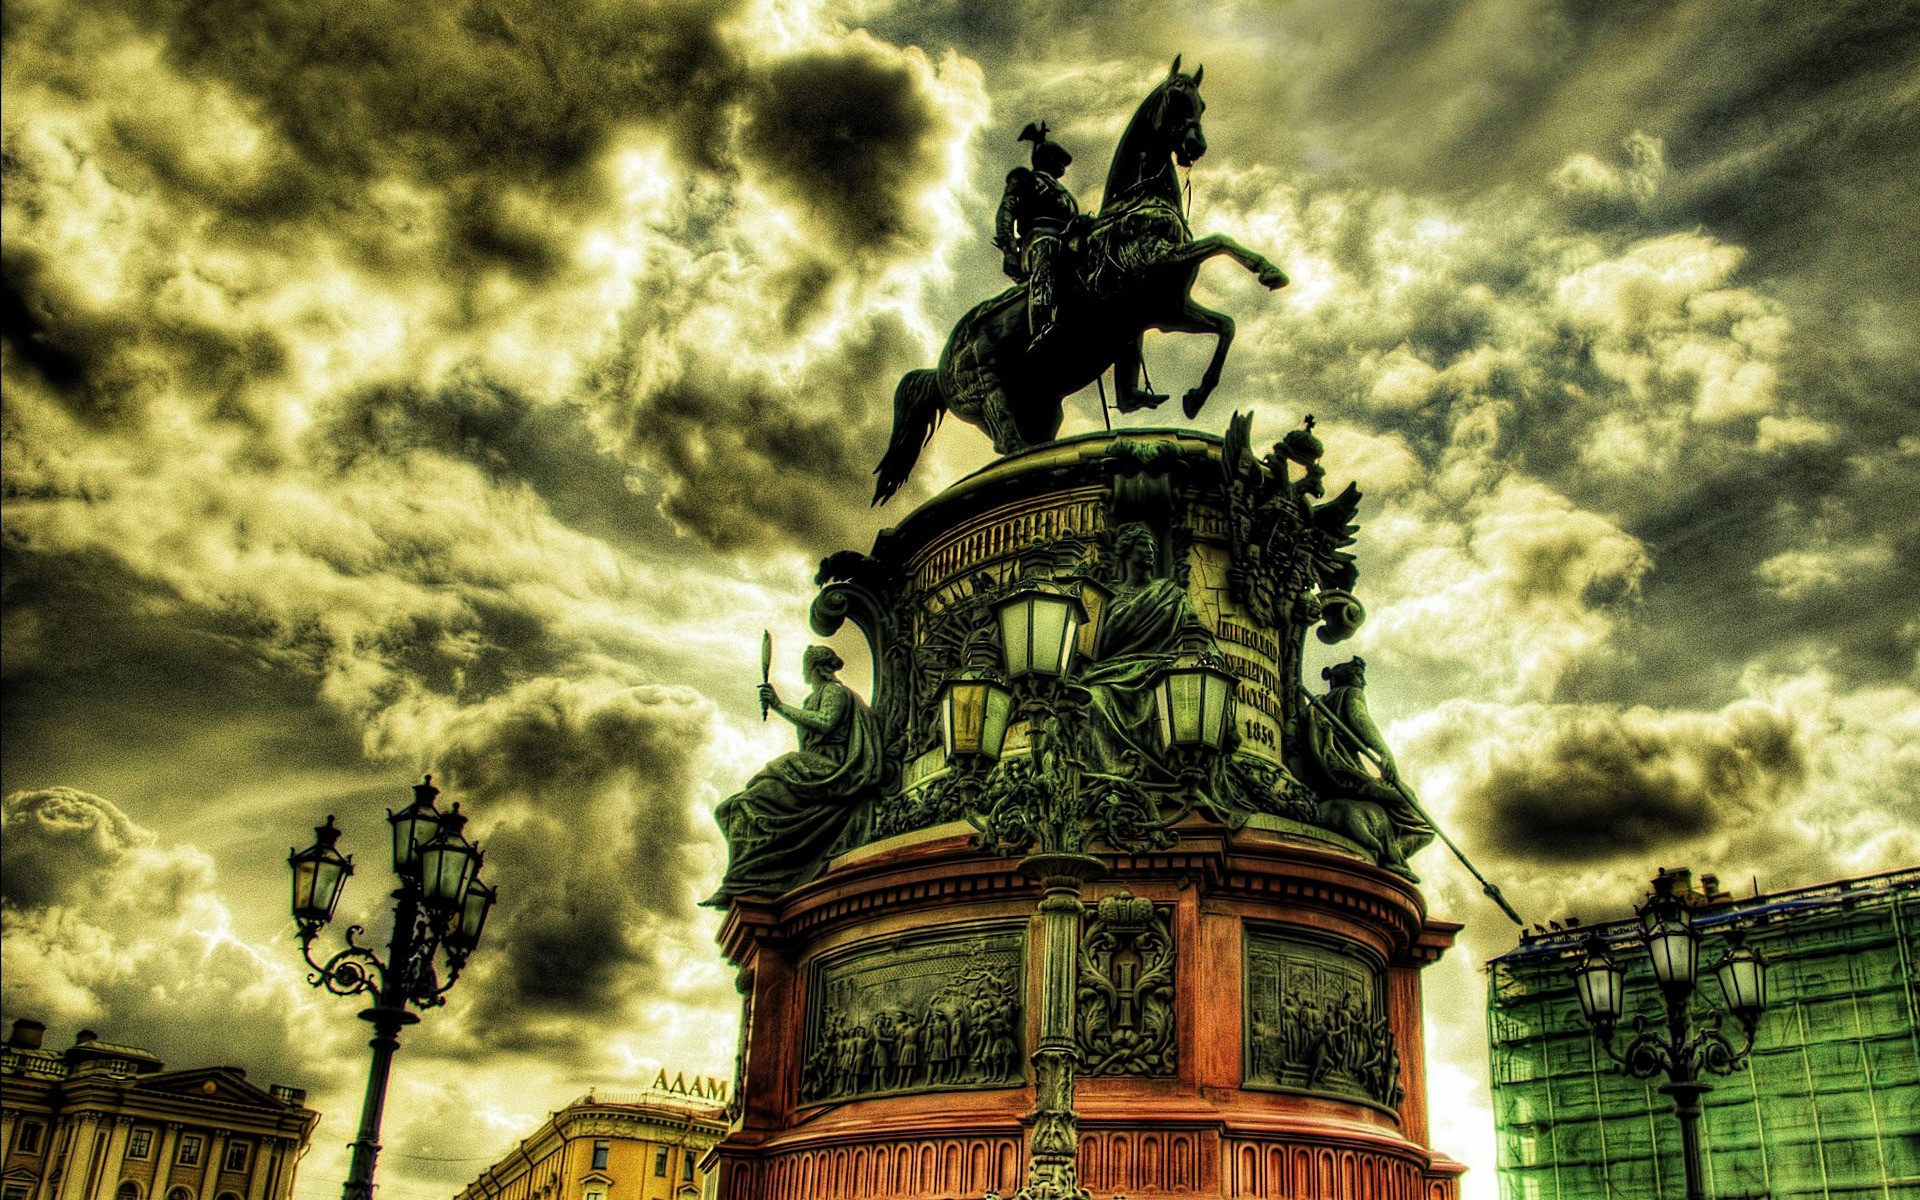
(1031, 227)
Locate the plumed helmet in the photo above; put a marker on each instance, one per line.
(1048, 155)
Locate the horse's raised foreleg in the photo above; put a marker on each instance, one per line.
(1128, 396)
(1198, 318)
(1199, 250)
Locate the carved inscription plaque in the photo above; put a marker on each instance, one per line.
(924, 1012)
(1315, 1021)
(1252, 653)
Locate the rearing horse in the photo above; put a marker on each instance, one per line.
(1137, 271)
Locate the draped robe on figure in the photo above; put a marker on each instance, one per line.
(806, 805)
(1140, 634)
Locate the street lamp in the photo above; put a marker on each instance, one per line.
(439, 909)
(1683, 1051)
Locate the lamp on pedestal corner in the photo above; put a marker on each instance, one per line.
(1193, 705)
(1038, 628)
(974, 715)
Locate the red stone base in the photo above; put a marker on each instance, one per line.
(1197, 1133)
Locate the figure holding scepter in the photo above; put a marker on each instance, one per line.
(807, 805)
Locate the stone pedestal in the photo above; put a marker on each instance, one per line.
(1224, 1119)
(1246, 997)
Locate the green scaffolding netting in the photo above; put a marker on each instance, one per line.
(1828, 1106)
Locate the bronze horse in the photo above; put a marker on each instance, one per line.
(1136, 266)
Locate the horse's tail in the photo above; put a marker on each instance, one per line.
(918, 407)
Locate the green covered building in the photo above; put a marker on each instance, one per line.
(1828, 1106)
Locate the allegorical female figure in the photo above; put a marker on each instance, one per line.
(804, 806)
(1143, 629)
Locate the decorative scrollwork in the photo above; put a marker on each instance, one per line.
(350, 972)
(1681, 1052)
(1125, 1018)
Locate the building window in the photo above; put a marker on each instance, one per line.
(16, 1191)
(180, 1194)
(686, 1165)
(600, 1152)
(128, 1190)
(189, 1155)
(141, 1144)
(237, 1157)
(660, 1162)
(30, 1137)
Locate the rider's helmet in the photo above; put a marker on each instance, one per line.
(1048, 156)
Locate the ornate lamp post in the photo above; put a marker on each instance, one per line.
(440, 909)
(1684, 1050)
(1047, 807)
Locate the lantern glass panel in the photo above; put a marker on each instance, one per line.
(1600, 985)
(1675, 952)
(413, 827)
(1052, 635)
(974, 715)
(317, 884)
(999, 714)
(1016, 636)
(1037, 630)
(1183, 691)
(473, 915)
(1743, 982)
(319, 874)
(1191, 703)
(446, 864)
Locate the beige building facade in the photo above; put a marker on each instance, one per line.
(643, 1147)
(102, 1121)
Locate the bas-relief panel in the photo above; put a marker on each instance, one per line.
(1316, 1020)
(937, 1010)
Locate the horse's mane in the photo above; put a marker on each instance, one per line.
(1141, 168)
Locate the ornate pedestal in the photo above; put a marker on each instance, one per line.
(1243, 1001)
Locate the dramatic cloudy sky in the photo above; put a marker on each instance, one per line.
(463, 385)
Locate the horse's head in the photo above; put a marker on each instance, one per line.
(1176, 114)
(1167, 124)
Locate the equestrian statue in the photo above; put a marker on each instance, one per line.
(1087, 289)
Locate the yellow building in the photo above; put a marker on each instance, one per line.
(642, 1147)
(102, 1121)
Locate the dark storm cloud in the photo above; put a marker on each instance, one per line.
(1593, 783)
(515, 440)
(748, 462)
(853, 139)
(586, 794)
(114, 684)
(450, 95)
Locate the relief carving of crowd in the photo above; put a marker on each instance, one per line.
(968, 1034)
(1321, 1044)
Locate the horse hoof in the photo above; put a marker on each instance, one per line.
(1193, 402)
